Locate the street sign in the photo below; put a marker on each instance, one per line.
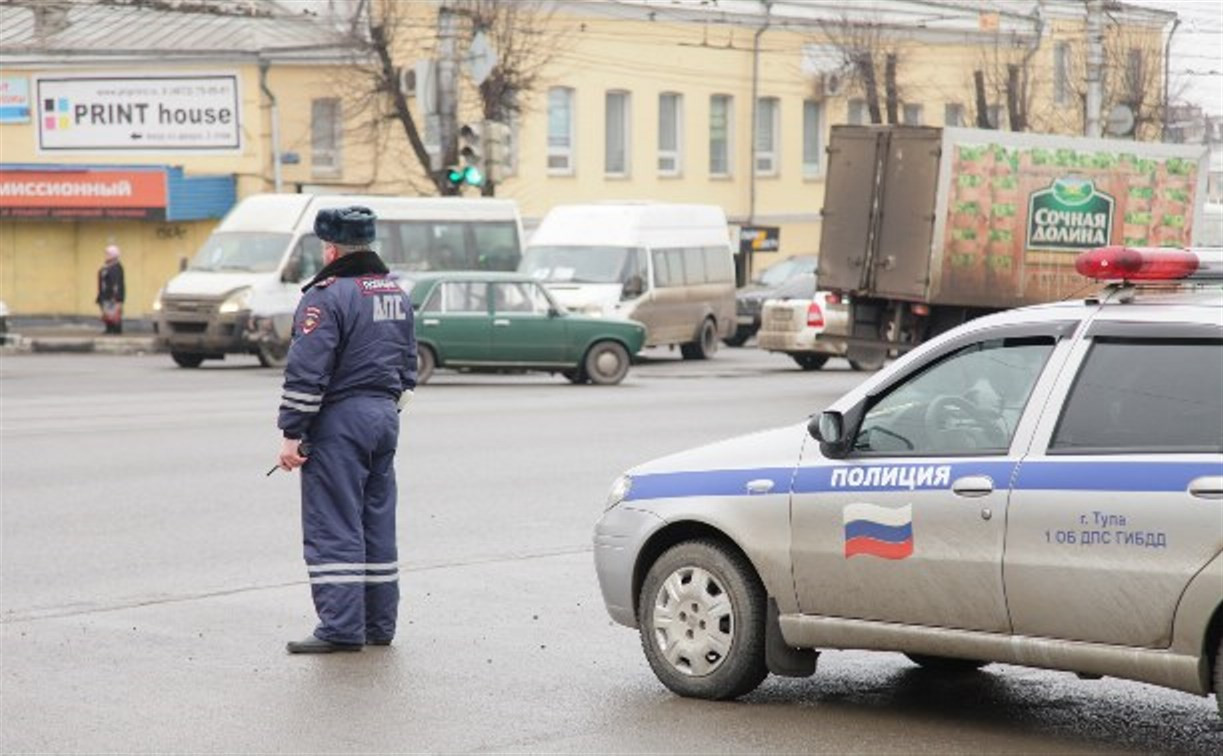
(759, 239)
(481, 58)
(138, 113)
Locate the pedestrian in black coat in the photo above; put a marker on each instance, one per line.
(111, 291)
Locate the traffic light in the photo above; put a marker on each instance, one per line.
(471, 150)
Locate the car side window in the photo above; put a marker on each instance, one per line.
(969, 402)
(1159, 396)
(514, 297)
(306, 260)
(465, 296)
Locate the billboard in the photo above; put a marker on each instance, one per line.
(83, 194)
(14, 99)
(138, 113)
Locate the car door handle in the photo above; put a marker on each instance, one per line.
(973, 486)
(759, 486)
(1207, 487)
(501, 322)
(430, 321)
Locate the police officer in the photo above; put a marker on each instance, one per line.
(351, 368)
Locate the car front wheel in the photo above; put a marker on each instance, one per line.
(702, 614)
(187, 359)
(606, 363)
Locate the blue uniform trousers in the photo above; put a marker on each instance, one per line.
(348, 519)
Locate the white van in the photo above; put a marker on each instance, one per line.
(668, 266)
(238, 294)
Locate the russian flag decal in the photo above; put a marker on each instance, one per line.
(878, 531)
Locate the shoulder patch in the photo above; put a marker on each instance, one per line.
(372, 285)
(311, 317)
(329, 280)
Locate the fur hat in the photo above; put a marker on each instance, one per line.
(345, 225)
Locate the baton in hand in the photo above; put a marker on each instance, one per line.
(303, 449)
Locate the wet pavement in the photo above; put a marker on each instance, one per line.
(151, 575)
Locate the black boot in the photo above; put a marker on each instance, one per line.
(313, 645)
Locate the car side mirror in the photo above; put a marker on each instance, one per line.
(633, 287)
(829, 428)
(554, 312)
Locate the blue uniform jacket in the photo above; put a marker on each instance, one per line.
(352, 335)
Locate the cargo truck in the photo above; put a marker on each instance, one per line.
(925, 228)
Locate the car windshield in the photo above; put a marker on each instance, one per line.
(258, 252)
(778, 273)
(798, 287)
(610, 265)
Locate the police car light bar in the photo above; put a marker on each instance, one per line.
(1150, 264)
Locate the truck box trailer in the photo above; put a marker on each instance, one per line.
(924, 228)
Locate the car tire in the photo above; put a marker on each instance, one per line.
(187, 359)
(946, 664)
(706, 344)
(699, 573)
(810, 361)
(606, 363)
(739, 337)
(273, 355)
(1218, 675)
(576, 377)
(426, 363)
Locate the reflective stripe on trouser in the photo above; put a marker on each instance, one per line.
(348, 519)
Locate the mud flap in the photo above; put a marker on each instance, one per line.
(781, 658)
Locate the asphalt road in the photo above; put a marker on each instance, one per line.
(151, 574)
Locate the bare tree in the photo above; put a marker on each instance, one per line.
(863, 50)
(387, 38)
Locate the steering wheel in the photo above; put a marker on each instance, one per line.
(941, 418)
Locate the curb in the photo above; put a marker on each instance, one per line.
(78, 345)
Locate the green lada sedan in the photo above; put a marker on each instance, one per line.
(479, 320)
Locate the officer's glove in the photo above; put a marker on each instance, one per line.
(404, 398)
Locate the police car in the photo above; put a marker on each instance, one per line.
(1041, 487)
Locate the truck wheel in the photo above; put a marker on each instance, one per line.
(606, 363)
(273, 355)
(706, 343)
(426, 362)
(1218, 676)
(868, 366)
(187, 359)
(810, 361)
(702, 615)
(946, 664)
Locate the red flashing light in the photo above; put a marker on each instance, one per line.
(815, 316)
(1136, 264)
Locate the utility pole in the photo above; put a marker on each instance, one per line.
(447, 84)
(1095, 64)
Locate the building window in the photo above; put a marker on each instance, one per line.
(560, 130)
(953, 114)
(1134, 84)
(616, 147)
(768, 123)
(812, 137)
(857, 112)
(670, 133)
(1061, 73)
(326, 132)
(720, 134)
(912, 115)
(996, 115)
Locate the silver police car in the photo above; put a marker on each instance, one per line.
(1041, 487)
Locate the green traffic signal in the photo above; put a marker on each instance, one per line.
(473, 176)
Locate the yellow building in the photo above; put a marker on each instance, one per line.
(727, 103)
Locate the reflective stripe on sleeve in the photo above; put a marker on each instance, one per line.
(299, 406)
(302, 397)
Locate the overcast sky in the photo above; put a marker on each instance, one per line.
(1197, 50)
